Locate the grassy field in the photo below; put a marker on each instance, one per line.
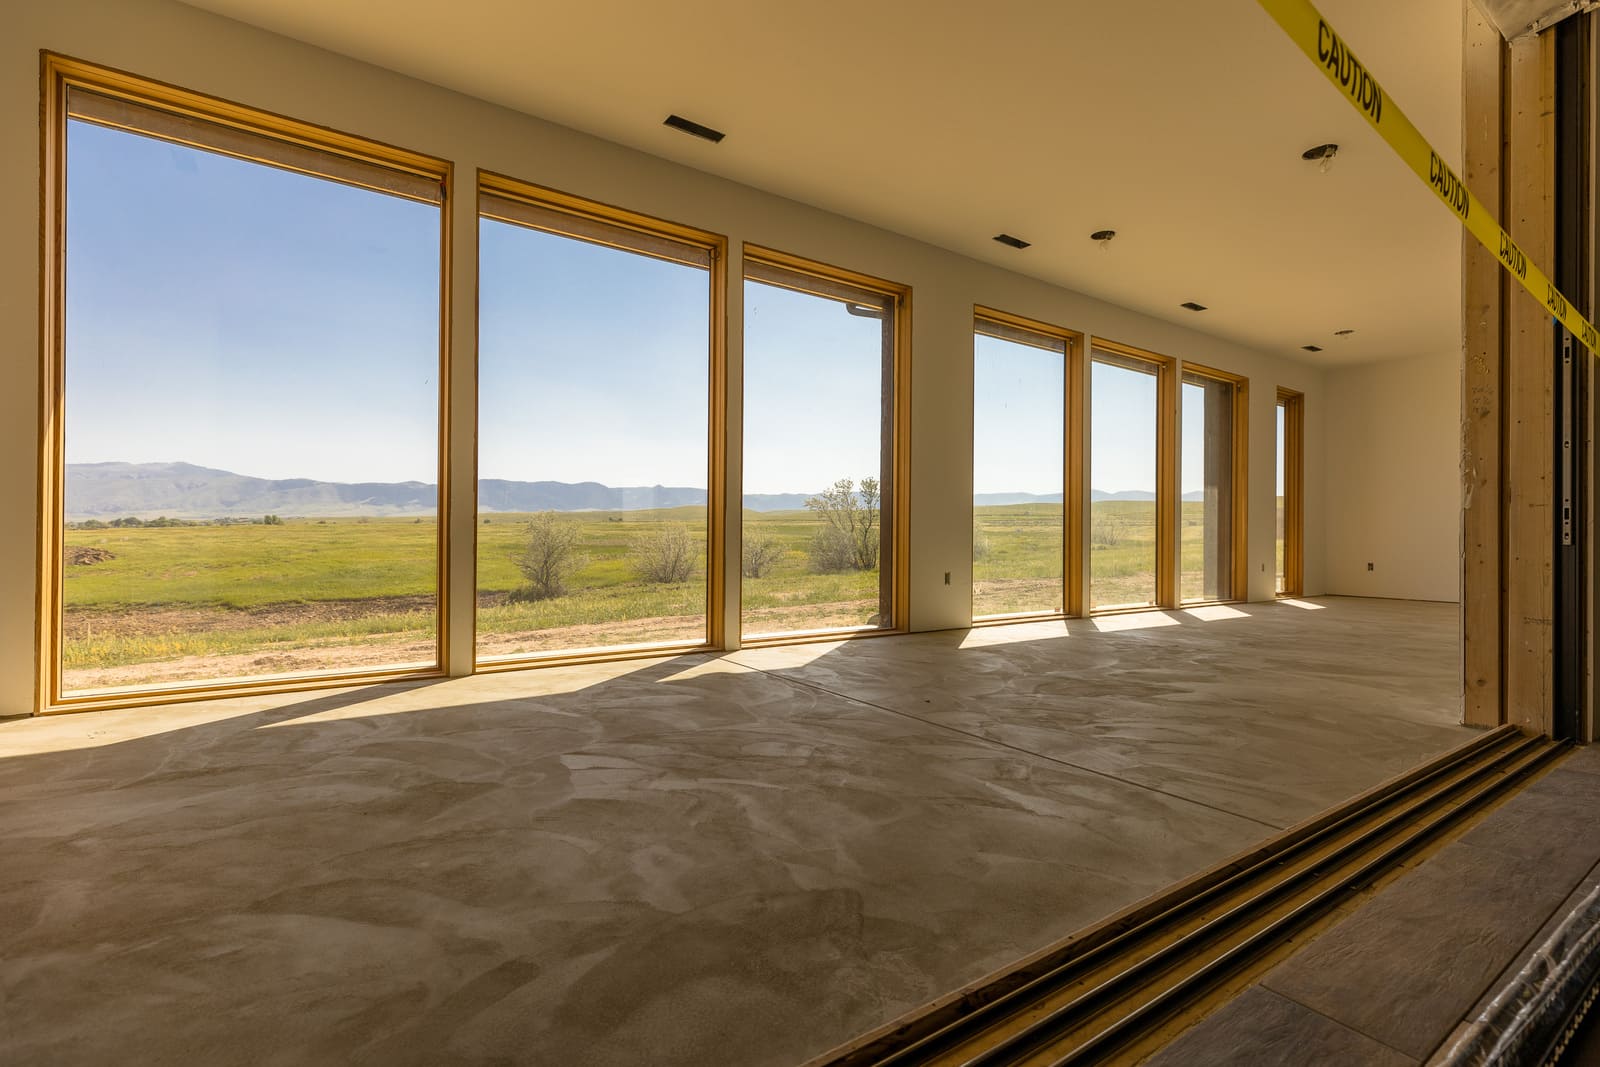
(201, 602)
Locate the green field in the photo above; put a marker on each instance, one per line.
(207, 601)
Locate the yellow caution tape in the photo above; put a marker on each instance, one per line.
(1307, 28)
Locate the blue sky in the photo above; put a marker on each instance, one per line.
(239, 316)
(244, 317)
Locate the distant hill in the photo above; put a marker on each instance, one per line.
(187, 491)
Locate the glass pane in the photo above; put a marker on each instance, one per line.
(251, 424)
(1205, 512)
(592, 445)
(815, 420)
(1122, 483)
(1282, 452)
(1018, 518)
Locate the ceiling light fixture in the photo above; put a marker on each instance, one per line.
(1014, 242)
(1103, 237)
(1192, 306)
(1322, 155)
(1343, 333)
(694, 129)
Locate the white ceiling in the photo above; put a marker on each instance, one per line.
(1177, 123)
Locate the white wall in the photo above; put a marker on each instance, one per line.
(164, 40)
(1393, 484)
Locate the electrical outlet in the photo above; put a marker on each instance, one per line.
(1369, 566)
(946, 577)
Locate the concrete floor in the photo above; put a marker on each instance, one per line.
(742, 859)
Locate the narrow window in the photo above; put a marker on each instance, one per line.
(596, 363)
(242, 473)
(1291, 473)
(1127, 541)
(824, 456)
(1209, 520)
(1019, 468)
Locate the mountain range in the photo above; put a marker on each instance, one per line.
(187, 491)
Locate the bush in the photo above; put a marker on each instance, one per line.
(666, 556)
(1108, 531)
(848, 540)
(547, 560)
(980, 544)
(761, 554)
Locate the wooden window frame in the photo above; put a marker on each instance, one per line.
(589, 219)
(898, 412)
(1294, 546)
(354, 161)
(1072, 464)
(1167, 375)
(1239, 491)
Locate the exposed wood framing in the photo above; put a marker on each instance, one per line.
(1483, 296)
(1529, 215)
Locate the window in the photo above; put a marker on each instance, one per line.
(1211, 518)
(597, 366)
(825, 395)
(243, 468)
(1130, 504)
(1020, 483)
(1291, 473)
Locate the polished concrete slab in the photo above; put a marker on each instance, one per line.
(742, 859)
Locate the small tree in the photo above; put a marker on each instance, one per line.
(761, 554)
(666, 556)
(848, 539)
(547, 559)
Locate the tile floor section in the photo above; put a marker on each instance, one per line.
(738, 859)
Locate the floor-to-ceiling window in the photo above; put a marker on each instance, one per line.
(1210, 519)
(824, 457)
(1289, 541)
(597, 356)
(243, 430)
(1127, 439)
(1019, 466)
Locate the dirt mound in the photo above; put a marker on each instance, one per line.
(83, 555)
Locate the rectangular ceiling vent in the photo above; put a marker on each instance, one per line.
(1311, 348)
(1192, 306)
(678, 122)
(1014, 242)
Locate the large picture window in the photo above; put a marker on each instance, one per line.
(824, 457)
(243, 470)
(1020, 470)
(1130, 439)
(1211, 518)
(597, 359)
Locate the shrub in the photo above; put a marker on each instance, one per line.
(848, 539)
(668, 555)
(980, 544)
(1108, 531)
(761, 554)
(547, 559)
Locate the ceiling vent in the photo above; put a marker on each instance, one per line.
(1192, 306)
(1013, 242)
(694, 129)
(1311, 348)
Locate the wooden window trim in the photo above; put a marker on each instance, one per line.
(1239, 493)
(60, 75)
(537, 207)
(1293, 404)
(1072, 541)
(828, 280)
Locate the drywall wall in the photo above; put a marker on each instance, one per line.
(170, 42)
(1392, 483)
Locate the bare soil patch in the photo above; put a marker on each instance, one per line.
(86, 555)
